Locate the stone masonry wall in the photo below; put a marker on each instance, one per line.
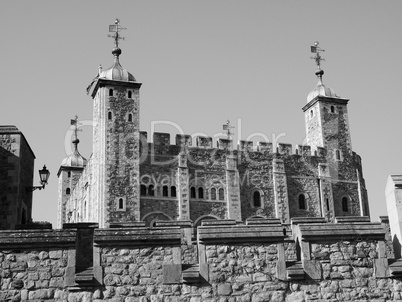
(142, 265)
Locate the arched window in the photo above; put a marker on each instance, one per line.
(151, 191)
(338, 155)
(173, 191)
(311, 113)
(69, 174)
(165, 191)
(121, 203)
(332, 109)
(257, 199)
(68, 191)
(143, 190)
(213, 194)
(221, 194)
(192, 192)
(302, 202)
(109, 115)
(200, 192)
(110, 92)
(345, 206)
(130, 117)
(129, 94)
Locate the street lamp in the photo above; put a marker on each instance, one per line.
(44, 176)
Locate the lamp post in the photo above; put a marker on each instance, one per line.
(44, 177)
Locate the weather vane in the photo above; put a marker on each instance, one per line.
(227, 127)
(317, 58)
(75, 123)
(116, 28)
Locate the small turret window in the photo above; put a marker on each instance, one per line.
(311, 113)
(110, 92)
(332, 109)
(68, 174)
(130, 117)
(68, 191)
(129, 94)
(109, 115)
(121, 203)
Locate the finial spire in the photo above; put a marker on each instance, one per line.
(116, 28)
(317, 58)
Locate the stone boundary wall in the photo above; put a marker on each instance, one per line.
(262, 260)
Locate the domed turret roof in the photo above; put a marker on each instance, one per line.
(75, 159)
(116, 72)
(321, 89)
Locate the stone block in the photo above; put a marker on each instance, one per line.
(381, 268)
(313, 269)
(172, 273)
(224, 289)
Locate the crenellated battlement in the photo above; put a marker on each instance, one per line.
(162, 139)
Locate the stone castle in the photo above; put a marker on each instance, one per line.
(155, 222)
(128, 179)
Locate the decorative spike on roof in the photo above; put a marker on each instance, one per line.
(116, 72)
(75, 159)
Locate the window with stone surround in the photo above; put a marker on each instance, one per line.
(109, 115)
(151, 191)
(345, 204)
(221, 194)
(332, 109)
(338, 155)
(257, 199)
(302, 202)
(143, 190)
(311, 113)
(68, 174)
(213, 194)
(165, 191)
(120, 203)
(200, 192)
(68, 190)
(173, 191)
(129, 94)
(192, 192)
(130, 117)
(110, 92)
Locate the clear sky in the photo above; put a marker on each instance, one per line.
(201, 63)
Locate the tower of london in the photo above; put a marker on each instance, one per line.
(127, 179)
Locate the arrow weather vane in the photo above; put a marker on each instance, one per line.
(116, 28)
(317, 58)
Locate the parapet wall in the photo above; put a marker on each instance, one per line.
(261, 260)
(161, 139)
